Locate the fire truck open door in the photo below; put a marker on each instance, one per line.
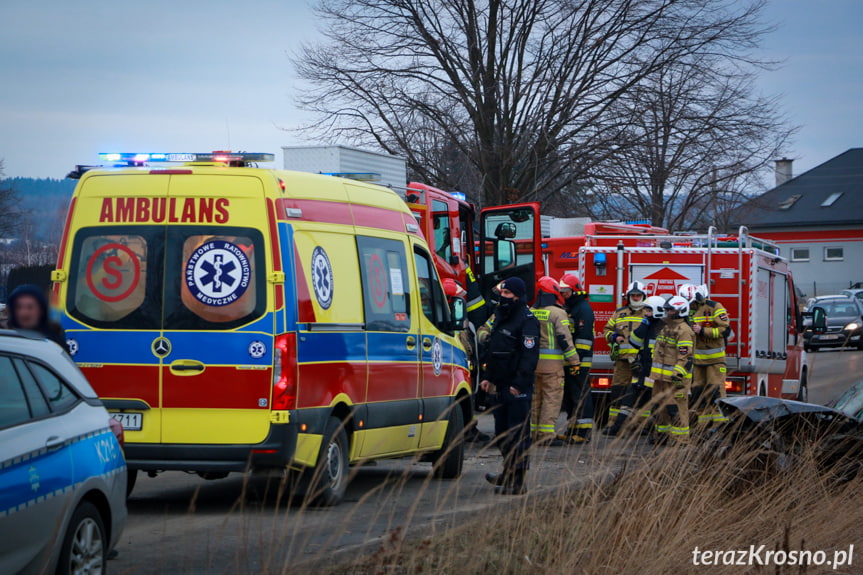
(510, 245)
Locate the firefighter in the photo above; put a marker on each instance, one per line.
(643, 338)
(509, 358)
(477, 308)
(555, 350)
(577, 398)
(671, 373)
(453, 289)
(616, 332)
(712, 326)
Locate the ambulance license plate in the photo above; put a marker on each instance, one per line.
(130, 421)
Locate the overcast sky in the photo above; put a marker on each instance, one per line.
(82, 77)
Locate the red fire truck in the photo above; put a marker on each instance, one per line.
(764, 356)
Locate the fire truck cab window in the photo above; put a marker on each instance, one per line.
(442, 231)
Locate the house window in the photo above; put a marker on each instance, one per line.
(831, 199)
(834, 254)
(799, 254)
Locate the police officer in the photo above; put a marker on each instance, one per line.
(510, 355)
(577, 398)
(712, 326)
(620, 325)
(671, 373)
(555, 350)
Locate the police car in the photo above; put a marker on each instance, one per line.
(62, 472)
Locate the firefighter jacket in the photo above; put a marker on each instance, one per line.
(644, 339)
(477, 308)
(581, 325)
(510, 349)
(555, 336)
(672, 354)
(623, 322)
(715, 326)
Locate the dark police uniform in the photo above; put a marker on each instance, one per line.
(511, 352)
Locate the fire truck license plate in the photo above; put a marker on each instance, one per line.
(130, 421)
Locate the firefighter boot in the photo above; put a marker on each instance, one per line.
(574, 436)
(618, 424)
(513, 485)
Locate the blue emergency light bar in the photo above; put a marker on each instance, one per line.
(133, 158)
(459, 196)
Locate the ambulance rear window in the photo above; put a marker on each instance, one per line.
(111, 270)
(213, 281)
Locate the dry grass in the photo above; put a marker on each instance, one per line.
(647, 520)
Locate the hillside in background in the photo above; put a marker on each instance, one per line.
(45, 200)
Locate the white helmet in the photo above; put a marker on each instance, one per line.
(701, 292)
(688, 292)
(679, 304)
(657, 304)
(635, 288)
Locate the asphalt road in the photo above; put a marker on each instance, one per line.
(181, 523)
(833, 372)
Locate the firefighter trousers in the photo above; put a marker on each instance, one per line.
(578, 403)
(547, 398)
(708, 385)
(671, 413)
(511, 429)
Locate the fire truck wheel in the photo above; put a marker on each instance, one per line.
(447, 463)
(329, 478)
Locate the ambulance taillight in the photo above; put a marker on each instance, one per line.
(285, 372)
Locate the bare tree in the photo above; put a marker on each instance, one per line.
(697, 137)
(519, 91)
(10, 213)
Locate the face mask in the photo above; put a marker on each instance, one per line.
(506, 302)
(636, 304)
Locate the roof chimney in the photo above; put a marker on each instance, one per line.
(783, 171)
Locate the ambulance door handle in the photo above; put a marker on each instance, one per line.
(427, 344)
(411, 342)
(186, 367)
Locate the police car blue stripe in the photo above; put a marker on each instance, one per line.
(41, 474)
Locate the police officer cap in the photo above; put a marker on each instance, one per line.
(515, 285)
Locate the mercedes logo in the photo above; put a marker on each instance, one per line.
(161, 347)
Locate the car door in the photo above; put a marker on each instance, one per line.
(217, 329)
(437, 350)
(35, 469)
(393, 336)
(510, 246)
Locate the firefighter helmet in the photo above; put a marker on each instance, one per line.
(636, 288)
(549, 285)
(657, 304)
(701, 292)
(679, 304)
(571, 281)
(453, 289)
(688, 292)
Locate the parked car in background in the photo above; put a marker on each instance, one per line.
(62, 471)
(844, 323)
(855, 293)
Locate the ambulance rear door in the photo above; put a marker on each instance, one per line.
(217, 325)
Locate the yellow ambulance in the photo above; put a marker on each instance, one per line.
(237, 318)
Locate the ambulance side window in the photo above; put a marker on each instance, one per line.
(431, 295)
(114, 277)
(442, 231)
(386, 289)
